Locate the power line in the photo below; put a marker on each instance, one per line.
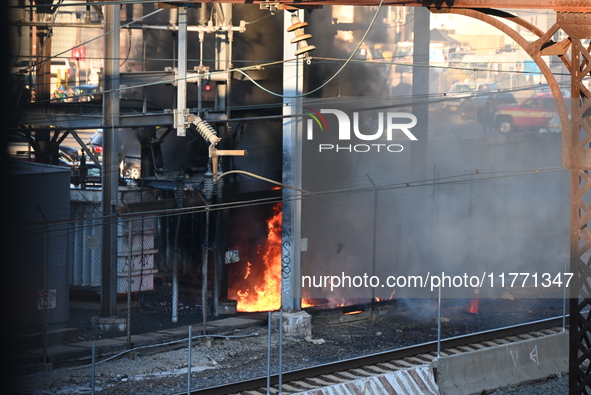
(371, 24)
(477, 176)
(269, 64)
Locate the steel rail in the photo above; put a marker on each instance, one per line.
(372, 359)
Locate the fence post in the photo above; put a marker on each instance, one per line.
(269, 345)
(93, 369)
(45, 297)
(280, 351)
(204, 272)
(189, 362)
(129, 258)
(215, 290)
(175, 271)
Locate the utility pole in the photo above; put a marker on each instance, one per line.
(292, 174)
(420, 90)
(110, 168)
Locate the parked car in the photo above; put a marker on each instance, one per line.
(83, 93)
(130, 168)
(461, 90)
(483, 107)
(23, 66)
(95, 144)
(534, 113)
(86, 173)
(61, 66)
(19, 147)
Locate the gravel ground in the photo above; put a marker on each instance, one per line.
(243, 354)
(553, 386)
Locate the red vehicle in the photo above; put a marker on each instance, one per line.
(533, 113)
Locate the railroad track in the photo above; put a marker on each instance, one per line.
(389, 361)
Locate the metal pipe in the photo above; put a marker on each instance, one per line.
(145, 88)
(229, 74)
(47, 25)
(204, 29)
(181, 71)
(200, 80)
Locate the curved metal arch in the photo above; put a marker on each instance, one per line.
(533, 50)
(575, 156)
(513, 18)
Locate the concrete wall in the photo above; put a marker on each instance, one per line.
(503, 365)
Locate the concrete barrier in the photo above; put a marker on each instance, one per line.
(502, 365)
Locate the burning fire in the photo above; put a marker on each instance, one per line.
(354, 312)
(263, 292)
(306, 303)
(257, 283)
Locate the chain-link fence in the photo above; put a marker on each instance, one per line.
(161, 256)
(156, 270)
(161, 298)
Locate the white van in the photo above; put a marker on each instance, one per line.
(60, 68)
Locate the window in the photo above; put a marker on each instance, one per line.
(533, 103)
(549, 104)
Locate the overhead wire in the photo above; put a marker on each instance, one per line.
(264, 65)
(242, 70)
(263, 17)
(94, 38)
(96, 3)
(371, 24)
(475, 176)
(268, 64)
(254, 21)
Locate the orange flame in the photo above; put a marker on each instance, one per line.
(248, 265)
(263, 293)
(306, 303)
(354, 312)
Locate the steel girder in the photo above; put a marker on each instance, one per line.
(556, 5)
(580, 243)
